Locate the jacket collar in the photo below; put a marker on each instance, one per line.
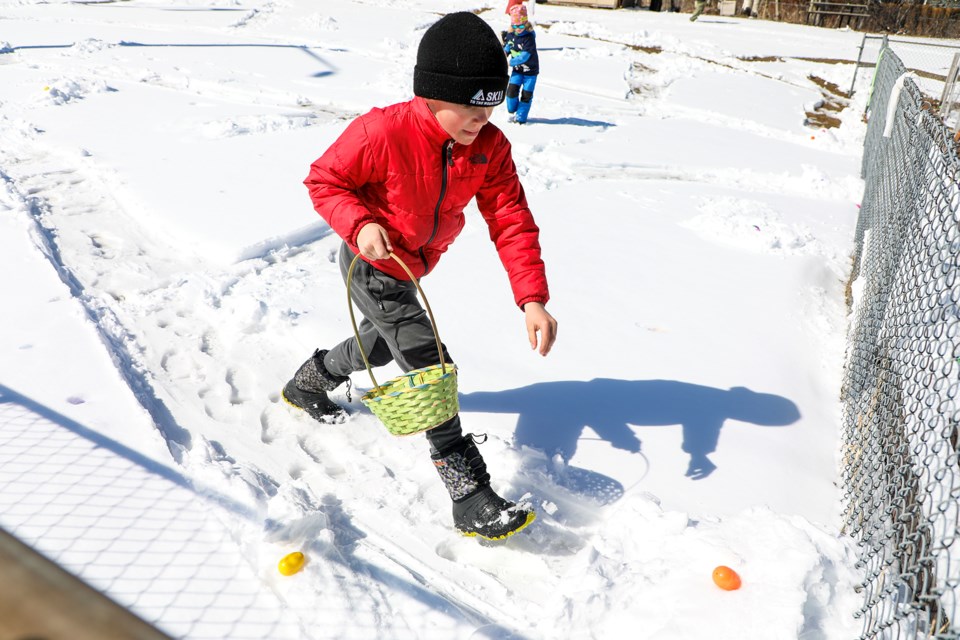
(431, 128)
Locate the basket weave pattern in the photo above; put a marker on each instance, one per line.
(415, 401)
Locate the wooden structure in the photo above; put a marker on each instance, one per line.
(39, 600)
(838, 14)
(601, 4)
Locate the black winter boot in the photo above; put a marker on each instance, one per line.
(308, 390)
(477, 509)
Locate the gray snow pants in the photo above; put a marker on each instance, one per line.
(395, 327)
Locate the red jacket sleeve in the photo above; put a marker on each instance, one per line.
(504, 206)
(336, 177)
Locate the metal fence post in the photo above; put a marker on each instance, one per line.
(853, 82)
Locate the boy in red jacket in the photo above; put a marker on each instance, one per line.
(397, 180)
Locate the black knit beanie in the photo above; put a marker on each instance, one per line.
(461, 60)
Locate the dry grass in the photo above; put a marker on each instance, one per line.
(760, 58)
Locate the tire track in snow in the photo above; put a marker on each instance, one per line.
(120, 343)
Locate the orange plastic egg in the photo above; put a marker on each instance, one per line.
(726, 578)
(291, 563)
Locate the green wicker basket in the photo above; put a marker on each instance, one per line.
(418, 400)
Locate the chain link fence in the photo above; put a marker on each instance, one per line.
(930, 62)
(950, 102)
(901, 416)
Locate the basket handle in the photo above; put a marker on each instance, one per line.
(353, 320)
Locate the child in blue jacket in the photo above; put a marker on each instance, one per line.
(520, 45)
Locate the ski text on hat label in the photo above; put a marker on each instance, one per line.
(486, 98)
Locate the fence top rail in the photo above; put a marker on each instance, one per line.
(920, 42)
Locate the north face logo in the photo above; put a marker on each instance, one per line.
(487, 98)
(478, 158)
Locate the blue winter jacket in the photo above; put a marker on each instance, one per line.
(526, 61)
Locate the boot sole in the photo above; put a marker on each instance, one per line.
(473, 534)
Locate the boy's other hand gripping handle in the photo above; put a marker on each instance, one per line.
(373, 242)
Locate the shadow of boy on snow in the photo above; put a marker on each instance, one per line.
(552, 415)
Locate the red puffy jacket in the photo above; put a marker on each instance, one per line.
(397, 167)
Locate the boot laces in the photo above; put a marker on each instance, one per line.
(478, 468)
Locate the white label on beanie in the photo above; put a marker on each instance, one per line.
(488, 98)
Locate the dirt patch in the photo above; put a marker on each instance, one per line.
(835, 100)
(822, 120)
(929, 75)
(779, 59)
(637, 47)
(829, 61)
(828, 87)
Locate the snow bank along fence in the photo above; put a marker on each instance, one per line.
(901, 411)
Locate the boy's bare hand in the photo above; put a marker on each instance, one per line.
(540, 321)
(373, 242)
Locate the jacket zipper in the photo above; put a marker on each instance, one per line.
(446, 161)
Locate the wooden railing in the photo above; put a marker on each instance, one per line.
(38, 599)
(848, 12)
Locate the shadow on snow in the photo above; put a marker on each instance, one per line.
(329, 515)
(577, 122)
(553, 415)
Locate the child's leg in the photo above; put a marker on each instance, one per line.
(513, 92)
(395, 325)
(378, 353)
(397, 328)
(699, 6)
(389, 308)
(477, 509)
(526, 97)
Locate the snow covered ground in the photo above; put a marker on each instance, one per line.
(165, 274)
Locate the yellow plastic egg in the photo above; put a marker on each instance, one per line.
(291, 563)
